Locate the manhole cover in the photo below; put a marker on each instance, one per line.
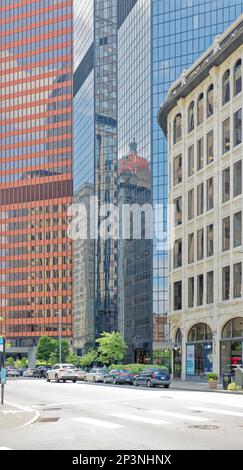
(204, 427)
(41, 404)
(197, 411)
(48, 420)
(51, 409)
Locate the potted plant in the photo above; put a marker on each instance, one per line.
(212, 379)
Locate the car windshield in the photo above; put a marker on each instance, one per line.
(67, 366)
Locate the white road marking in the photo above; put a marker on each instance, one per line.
(216, 411)
(5, 448)
(27, 409)
(172, 414)
(6, 412)
(140, 419)
(98, 423)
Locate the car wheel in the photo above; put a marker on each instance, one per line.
(94, 379)
(64, 381)
(114, 381)
(47, 379)
(56, 378)
(135, 383)
(167, 386)
(74, 381)
(149, 384)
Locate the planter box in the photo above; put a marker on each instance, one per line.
(213, 384)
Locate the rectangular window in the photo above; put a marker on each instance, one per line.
(226, 135)
(178, 295)
(237, 280)
(178, 169)
(200, 244)
(210, 287)
(237, 229)
(190, 204)
(200, 289)
(178, 253)
(225, 283)
(237, 178)
(237, 127)
(191, 160)
(200, 199)
(210, 240)
(191, 292)
(226, 184)
(200, 154)
(210, 193)
(191, 248)
(178, 211)
(226, 234)
(210, 147)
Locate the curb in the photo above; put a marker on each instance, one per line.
(206, 390)
(26, 409)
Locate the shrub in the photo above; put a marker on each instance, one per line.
(211, 376)
(232, 386)
(136, 368)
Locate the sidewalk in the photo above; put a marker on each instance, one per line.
(13, 416)
(200, 387)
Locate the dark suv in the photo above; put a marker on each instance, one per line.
(153, 377)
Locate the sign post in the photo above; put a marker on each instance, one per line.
(3, 370)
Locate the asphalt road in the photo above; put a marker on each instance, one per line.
(100, 417)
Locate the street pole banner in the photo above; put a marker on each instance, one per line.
(1, 344)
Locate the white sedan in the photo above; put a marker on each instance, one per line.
(95, 375)
(62, 372)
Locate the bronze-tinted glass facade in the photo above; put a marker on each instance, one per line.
(36, 168)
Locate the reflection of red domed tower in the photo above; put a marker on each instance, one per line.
(135, 261)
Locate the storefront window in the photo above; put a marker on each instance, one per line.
(231, 349)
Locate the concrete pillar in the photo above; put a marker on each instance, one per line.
(216, 352)
(31, 357)
(183, 357)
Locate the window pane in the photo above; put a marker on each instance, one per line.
(191, 292)
(177, 295)
(237, 229)
(200, 244)
(237, 178)
(191, 160)
(178, 211)
(237, 280)
(200, 154)
(226, 135)
(200, 113)
(190, 204)
(226, 184)
(200, 289)
(210, 287)
(178, 253)
(190, 248)
(237, 127)
(209, 194)
(178, 169)
(226, 234)
(225, 283)
(210, 147)
(210, 101)
(210, 240)
(226, 87)
(191, 117)
(237, 78)
(200, 199)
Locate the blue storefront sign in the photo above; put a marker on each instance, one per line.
(190, 359)
(207, 358)
(3, 375)
(1, 344)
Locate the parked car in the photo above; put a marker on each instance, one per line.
(109, 376)
(12, 372)
(81, 374)
(40, 372)
(95, 375)
(22, 370)
(28, 372)
(153, 377)
(62, 372)
(123, 376)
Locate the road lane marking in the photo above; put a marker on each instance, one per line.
(216, 411)
(172, 414)
(5, 448)
(98, 423)
(140, 419)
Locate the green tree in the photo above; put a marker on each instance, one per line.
(45, 348)
(111, 348)
(10, 361)
(72, 358)
(88, 358)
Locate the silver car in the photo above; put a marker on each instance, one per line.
(62, 372)
(95, 375)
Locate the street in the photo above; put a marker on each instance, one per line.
(95, 416)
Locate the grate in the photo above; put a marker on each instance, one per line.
(48, 420)
(204, 427)
(51, 409)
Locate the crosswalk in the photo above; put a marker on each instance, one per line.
(155, 417)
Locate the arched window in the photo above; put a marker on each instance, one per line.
(237, 78)
(177, 128)
(200, 332)
(200, 114)
(191, 117)
(226, 87)
(233, 329)
(210, 101)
